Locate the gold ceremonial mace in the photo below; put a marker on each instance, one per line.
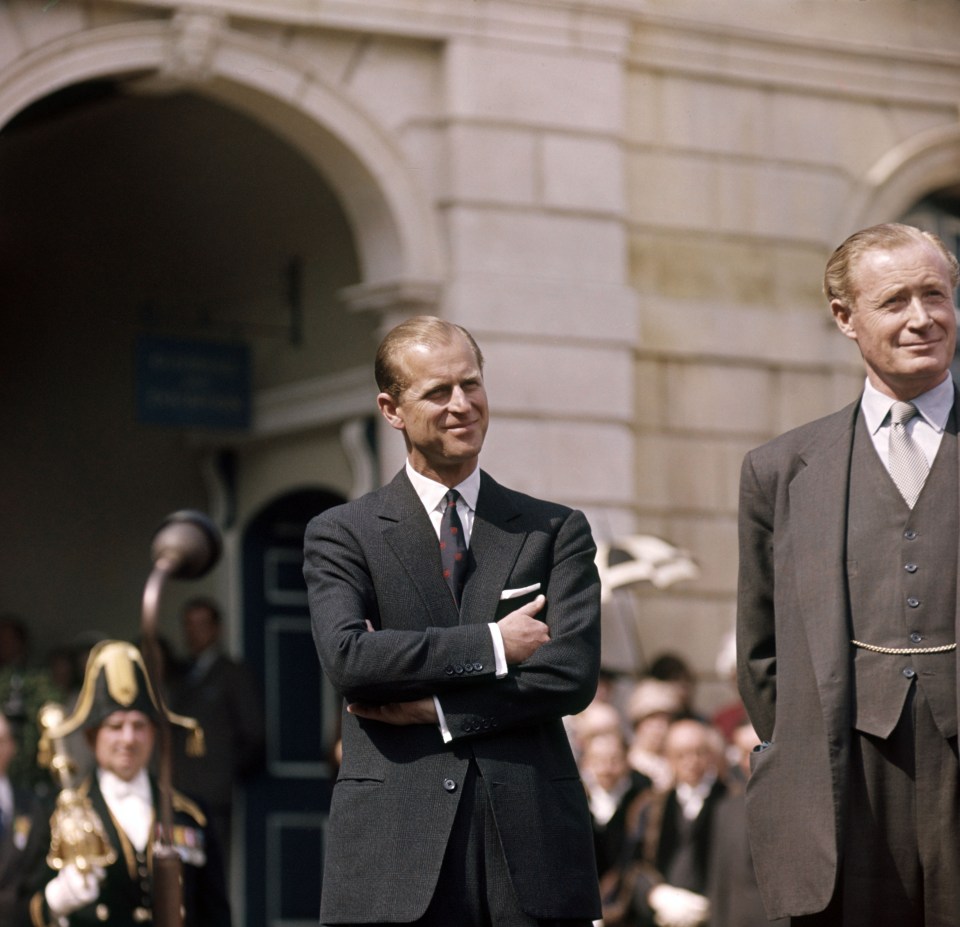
(77, 836)
(185, 546)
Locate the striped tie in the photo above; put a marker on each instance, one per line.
(908, 463)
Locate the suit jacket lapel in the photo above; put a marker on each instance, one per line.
(408, 532)
(495, 543)
(955, 414)
(818, 503)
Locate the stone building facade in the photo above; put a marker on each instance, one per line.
(628, 202)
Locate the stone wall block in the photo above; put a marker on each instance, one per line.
(583, 173)
(592, 310)
(495, 164)
(533, 244)
(561, 380)
(719, 398)
(580, 463)
(489, 81)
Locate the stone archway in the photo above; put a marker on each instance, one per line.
(905, 174)
(399, 244)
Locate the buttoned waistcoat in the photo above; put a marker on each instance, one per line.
(794, 655)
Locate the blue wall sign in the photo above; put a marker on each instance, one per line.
(194, 384)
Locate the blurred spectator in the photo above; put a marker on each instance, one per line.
(671, 834)
(24, 838)
(611, 788)
(597, 718)
(607, 685)
(729, 716)
(225, 697)
(62, 667)
(652, 706)
(671, 667)
(732, 890)
(23, 690)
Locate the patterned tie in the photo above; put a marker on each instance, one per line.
(453, 548)
(908, 463)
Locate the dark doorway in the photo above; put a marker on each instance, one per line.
(286, 807)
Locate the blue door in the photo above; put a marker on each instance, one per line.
(287, 805)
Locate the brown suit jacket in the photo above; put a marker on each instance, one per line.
(793, 654)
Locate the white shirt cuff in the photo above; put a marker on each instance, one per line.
(442, 720)
(500, 654)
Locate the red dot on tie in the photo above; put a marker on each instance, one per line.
(453, 530)
(446, 574)
(458, 556)
(443, 545)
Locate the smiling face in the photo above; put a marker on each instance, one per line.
(123, 743)
(443, 411)
(902, 318)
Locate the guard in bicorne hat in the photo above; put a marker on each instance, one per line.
(119, 711)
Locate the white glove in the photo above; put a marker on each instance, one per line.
(73, 889)
(677, 907)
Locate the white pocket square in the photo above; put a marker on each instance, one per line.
(516, 593)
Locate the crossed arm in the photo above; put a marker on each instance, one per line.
(522, 634)
(393, 673)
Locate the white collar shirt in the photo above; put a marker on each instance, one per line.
(131, 804)
(926, 428)
(431, 494)
(692, 797)
(6, 802)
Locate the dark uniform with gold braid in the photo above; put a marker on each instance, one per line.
(115, 681)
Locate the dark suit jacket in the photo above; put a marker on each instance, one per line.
(123, 888)
(23, 845)
(228, 704)
(394, 803)
(793, 654)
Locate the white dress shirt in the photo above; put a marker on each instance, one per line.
(431, 495)
(131, 803)
(6, 804)
(926, 428)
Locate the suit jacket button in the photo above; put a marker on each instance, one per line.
(913, 601)
(909, 672)
(916, 637)
(478, 666)
(449, 670)
(910, 534)
(450, 785)
(458, 669)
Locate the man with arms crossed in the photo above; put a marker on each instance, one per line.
(848, 613)
(459, 628)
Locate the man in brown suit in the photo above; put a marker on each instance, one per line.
(848, 613)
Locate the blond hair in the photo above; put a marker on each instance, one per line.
(428, 330)
(838, 278)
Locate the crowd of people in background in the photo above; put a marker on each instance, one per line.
(665, 784)
(666, 793)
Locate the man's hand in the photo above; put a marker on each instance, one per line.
(422, 711)
(523, 634)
